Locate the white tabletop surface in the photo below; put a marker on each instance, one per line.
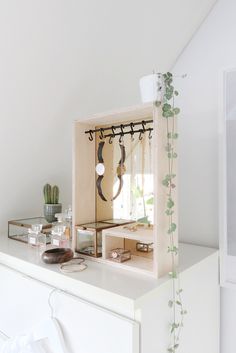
(98, 278)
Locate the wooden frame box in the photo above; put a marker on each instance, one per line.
(86, 207)
(122, 237)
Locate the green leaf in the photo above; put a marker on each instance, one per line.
(178, 302)
(170, 350)
(176, 111)
(165, 182)
(174, 327)
(157, 104)
(170, 303)
(176, 93)
(170, 203)
(176, 346)
(173, 249)
(172, 228)
(143, 220)
(166, 107)
(150, 201)
(173, 274)
(165, 114)
(175, 135)
(174, 155)
(179, 291)
(168, 96)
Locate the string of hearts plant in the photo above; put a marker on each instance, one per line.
(170, 113)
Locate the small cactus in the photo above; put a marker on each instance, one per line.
(51, 194)
(55, 194)
(47, 193)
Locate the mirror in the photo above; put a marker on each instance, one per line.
(135, 198)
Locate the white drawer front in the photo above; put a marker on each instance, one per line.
(87, 328)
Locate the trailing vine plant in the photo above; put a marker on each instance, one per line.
(170, 113)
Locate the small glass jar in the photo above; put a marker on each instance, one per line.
(119, 255)
(35, 237)
(58, 237)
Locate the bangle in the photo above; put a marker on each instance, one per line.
(75, 265)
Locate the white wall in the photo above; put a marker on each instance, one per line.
(212, 49)
(62, 59)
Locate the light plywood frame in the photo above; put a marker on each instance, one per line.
(84, 178)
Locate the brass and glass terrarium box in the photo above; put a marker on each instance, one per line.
(18, 228)
(89, 236)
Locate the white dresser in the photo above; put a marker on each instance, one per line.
(108, 310)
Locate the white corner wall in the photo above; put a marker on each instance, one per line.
(63, 59)
(212, 49)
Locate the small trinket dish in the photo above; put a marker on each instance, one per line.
(57, 255)
(119, 255)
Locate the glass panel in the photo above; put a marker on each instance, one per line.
(85, 241)
(30, 221)
(99, 243)
(96, 225)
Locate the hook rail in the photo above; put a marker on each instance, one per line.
(113, 130)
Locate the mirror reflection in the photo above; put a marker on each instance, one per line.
(125, 190)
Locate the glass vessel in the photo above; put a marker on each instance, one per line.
(58, 237)
(35, 237)
(19, 229)
(89, 238)
(119, 255)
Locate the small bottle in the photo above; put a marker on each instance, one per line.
(35, 237)
(68, 219)
(58, 237)
(60, 219)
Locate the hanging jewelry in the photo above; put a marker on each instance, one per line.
(100, 170)
(120, 171)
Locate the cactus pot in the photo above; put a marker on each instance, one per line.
(50, 210)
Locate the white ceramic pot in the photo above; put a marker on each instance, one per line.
(151, 88)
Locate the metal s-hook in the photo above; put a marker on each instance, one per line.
(121, 140)
(142, 131)
(132, 131)
(143, 125)
(150, 134)
(101, 136)
(112, 135)
(91, 135)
